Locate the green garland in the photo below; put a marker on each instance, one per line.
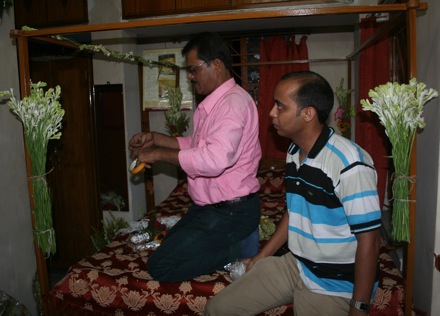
(109, 53)
(41, 115)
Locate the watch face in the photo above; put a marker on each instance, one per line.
(363, 307)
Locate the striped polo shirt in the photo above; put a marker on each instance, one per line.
(331, 196)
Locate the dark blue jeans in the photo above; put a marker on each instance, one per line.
(204, 240)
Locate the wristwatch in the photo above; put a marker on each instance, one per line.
(363, 307)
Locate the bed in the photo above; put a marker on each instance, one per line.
(114, 280)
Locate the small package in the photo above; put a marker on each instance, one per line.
(236, 269)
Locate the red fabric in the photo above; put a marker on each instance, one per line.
(114, 281)
(370, 134)
(275, 49)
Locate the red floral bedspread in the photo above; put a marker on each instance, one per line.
(114, 281)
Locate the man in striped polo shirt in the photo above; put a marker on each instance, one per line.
(332, 220)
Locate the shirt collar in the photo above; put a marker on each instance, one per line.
(323, 138)
(211, 100)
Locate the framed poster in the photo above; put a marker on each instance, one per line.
(158, 79)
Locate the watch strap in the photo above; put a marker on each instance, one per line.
(362, 306)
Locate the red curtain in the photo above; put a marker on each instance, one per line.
(370, 134)
(275, 49)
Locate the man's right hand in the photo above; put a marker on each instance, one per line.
(140, 141)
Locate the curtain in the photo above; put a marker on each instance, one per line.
(370, 134)
(274, 49)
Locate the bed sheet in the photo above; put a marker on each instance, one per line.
(114, 281)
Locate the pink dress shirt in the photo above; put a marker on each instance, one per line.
(221, 157)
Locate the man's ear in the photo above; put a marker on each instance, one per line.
(309, 114)
(217, 64)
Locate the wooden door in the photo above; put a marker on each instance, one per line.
(43, 13)
(202, 4)
(140, 8)
(67, 12)
(72, 163)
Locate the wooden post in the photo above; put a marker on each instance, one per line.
(25, 88)
(411, 16)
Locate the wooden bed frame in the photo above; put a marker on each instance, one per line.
(408, 10)
(114, 280)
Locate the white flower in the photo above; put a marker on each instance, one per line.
(400, 108)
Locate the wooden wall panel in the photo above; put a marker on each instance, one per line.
(199, 4)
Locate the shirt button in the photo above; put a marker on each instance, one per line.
(297, 182)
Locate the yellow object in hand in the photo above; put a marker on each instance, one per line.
(135, 167)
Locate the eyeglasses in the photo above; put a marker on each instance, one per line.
(193, 69)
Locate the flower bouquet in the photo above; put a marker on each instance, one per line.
(176, 121)
(345, 111)
(400, 108)
(41, 115)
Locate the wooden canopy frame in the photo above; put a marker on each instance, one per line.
(408, 10)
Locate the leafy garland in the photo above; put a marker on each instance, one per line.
(400, 108)
(176, 121)
(109, 53)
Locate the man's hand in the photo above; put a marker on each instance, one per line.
(139, 142)
(250, 262)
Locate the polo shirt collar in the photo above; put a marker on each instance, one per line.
(323, 138)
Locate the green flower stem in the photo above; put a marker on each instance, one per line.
(401, 154)
(399, 108)
(43, 230)
(400, 219)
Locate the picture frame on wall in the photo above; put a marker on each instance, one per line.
(158, 79)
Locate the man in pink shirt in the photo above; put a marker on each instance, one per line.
(220, 159)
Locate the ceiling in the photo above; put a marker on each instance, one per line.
(294, 19)
(297, 24)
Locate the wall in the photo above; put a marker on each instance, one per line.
(17, 259)
(164, 175)
(427, 239)
(320, 46)
(105, 71)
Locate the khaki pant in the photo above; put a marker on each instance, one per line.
(272, 282)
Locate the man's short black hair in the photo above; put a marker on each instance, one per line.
(314, 90)
(210, 46)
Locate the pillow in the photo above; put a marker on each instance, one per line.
(271, 181)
